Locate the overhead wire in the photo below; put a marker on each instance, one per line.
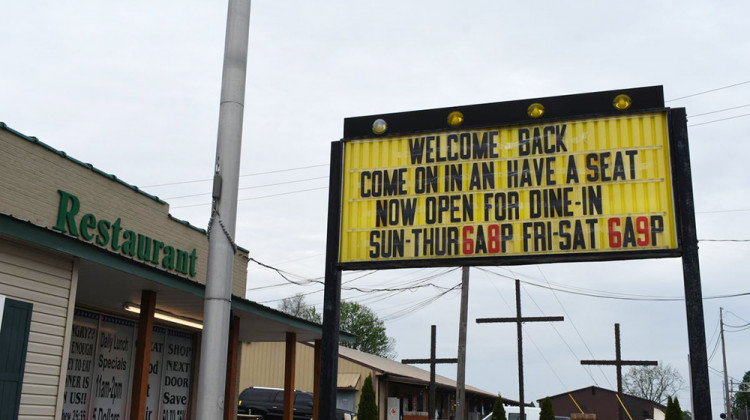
(719, 120)
(379, 293)
(374, 298)
(715, 348)
(736, 316)
(708, 91)
(296, 181)
(528, 335)
(711, 340)
(241, 176)
(255, 198)
(319, 280)
(578, 332)
(620, 296)
(739, 329)
(719, 110)
(721, 211)
(416, 307)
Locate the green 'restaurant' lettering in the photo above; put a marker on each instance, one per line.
(127, 242)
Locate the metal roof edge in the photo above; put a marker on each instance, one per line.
(283, 317)
(606, 390)
(89, 166)
(186, 223)
(27, 231)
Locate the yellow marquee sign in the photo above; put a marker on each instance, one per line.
(585, 187)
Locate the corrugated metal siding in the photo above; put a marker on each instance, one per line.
(43, 279)
(262, 364)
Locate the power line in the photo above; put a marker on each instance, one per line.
(722, 211)
(420, 305)
(586, 368)
(739, 330)
(716, 347)
(708, 91)
(255, 198)
(601, 370)
(528, 335)
(736, 316)
(419, 284)
(717, 111)
(251, 187)
(614, 296)
(723, 119)
(298, 168)
(570, 288)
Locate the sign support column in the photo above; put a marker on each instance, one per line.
(701, 394)
(461, 373)
(331, 291)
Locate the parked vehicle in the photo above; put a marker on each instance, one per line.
(268, 403)
(342, 414)
(513, 412)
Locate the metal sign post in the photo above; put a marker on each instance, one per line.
(701, 395)
(331, 293)
(221, 246)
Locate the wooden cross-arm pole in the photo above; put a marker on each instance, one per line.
(522, 319)
(621, 362)
(427, 361)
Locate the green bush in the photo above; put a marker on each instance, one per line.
(547, 412)
(673, 409)
(498, 411)
(368, 408)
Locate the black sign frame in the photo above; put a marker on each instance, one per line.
(597, 104)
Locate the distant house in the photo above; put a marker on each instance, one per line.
(399, 387)
(604, 404)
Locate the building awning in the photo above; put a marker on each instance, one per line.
(106, 282)
(347, 380)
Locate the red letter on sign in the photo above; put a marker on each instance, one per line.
(615, 237)
(468, 243)
(643, 228)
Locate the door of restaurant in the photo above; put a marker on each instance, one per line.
(15, 321)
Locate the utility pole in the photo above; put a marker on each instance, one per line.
(728, 398)
(221, 227)
(432, 361)
(619, 363)
(519, 320)
(461, 373)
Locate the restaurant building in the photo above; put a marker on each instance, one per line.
(81, 252)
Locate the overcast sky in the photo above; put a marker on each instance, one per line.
(133, 88)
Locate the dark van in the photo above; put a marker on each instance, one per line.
(268, 403)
